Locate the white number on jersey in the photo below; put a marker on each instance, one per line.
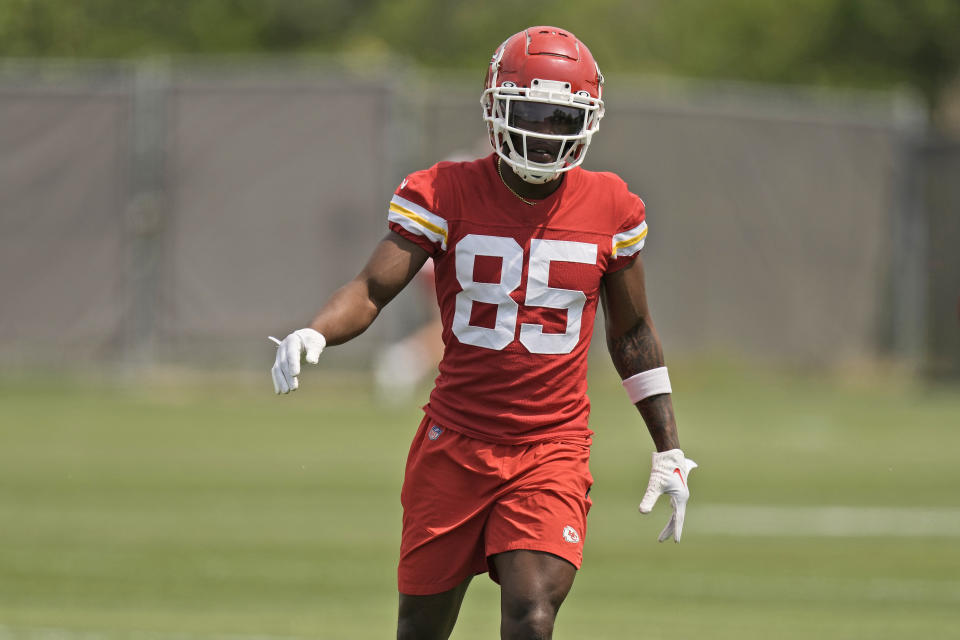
(498, 293)
(539, 293)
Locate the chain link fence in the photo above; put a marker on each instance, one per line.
(157, 213)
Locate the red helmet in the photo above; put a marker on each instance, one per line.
(543, 88)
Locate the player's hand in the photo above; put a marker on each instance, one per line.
(306, 343)
(669, 473)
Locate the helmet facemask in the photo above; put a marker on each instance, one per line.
(541, 131)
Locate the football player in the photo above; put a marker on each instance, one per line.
(525, 244)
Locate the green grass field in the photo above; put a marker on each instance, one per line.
(192, 509)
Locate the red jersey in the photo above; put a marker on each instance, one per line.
(518, 287)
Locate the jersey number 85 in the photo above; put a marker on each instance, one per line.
(539, 294)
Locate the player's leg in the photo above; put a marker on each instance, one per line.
(447, 492)
(430, 617)
(533, 585)
(535, 531)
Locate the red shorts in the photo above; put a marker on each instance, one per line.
(465, 500)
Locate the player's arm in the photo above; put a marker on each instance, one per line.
(355, 305)
(635, 346)
(638, 357)
(351, 309)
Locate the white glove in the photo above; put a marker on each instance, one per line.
(669, 473)
(286, 367)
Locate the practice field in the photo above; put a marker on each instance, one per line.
(824, 507)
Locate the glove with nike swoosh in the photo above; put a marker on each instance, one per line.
(669, 473)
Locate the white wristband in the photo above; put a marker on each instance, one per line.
(647, 383)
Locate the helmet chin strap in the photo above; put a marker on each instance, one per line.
(541, 174)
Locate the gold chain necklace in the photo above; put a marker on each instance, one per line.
(500, 173)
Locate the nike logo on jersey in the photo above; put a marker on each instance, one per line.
(403, 184)
(677, 471)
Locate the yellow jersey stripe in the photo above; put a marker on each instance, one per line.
(629, 242)
(417, 220)
(632, 241)
(423, 222)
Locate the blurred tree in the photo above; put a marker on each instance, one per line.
(913, 42)
(862, 43)
(121, 28)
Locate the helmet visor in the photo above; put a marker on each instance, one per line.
(543, 117)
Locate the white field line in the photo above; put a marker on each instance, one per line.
(846, 521)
